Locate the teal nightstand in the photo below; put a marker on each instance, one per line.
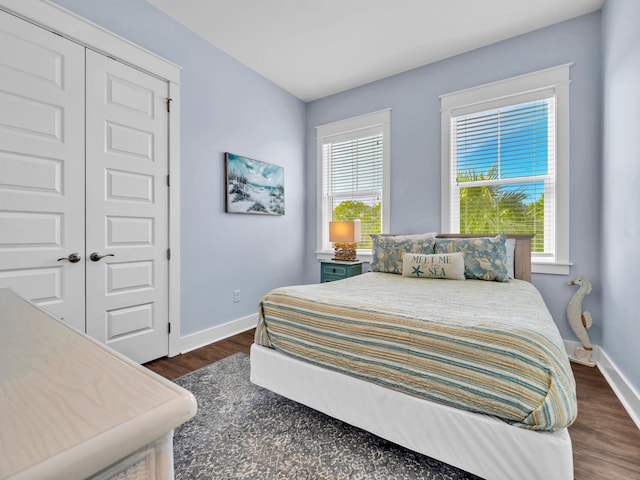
(334, 270)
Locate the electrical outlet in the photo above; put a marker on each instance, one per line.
(236, 296)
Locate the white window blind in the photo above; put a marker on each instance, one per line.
(503, 171)
(353, 181)
(353, 166)
(505, 162)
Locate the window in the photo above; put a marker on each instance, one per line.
(502, 161)
(506, 163)
(353, 165)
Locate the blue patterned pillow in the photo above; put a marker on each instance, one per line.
(387, 250)
(485, 258)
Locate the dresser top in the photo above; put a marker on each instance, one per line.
(69, 405)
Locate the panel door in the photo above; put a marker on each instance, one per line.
(127, 208)
(42, 167)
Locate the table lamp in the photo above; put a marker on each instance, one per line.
(344, 236)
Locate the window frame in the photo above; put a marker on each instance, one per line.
(352, 128)
(507, 92)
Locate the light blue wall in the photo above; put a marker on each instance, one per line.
(228, 107)
(415, 142)
(225, 107)
(621, 186)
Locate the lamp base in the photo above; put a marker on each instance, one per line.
(345, 251)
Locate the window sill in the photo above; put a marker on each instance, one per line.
(362, 256)
(551, 268)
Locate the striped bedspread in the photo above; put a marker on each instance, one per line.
(486, 347)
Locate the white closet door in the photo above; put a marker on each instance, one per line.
(127, 208)
(42, 167)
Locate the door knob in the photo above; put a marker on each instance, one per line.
(95, 256)
(73, 258)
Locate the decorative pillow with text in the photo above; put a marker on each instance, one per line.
(439, 265)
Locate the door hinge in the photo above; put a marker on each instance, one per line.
(168, 182)
(169, 325)
(169, 100)
(168, 254)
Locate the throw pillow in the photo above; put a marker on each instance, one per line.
(439, 265)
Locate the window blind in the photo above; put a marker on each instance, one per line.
(503, 175)
(353, 180)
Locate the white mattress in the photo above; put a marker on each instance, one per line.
(476, 443)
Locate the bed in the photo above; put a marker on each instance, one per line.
(472, 373)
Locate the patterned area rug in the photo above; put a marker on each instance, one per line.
(242, 431)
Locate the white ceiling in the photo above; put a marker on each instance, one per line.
(314, 48)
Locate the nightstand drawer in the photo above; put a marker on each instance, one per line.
(331, 271)
(330, 278)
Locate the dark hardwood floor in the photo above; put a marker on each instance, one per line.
(606, 442)
(179, 365)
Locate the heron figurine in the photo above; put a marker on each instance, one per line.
(580, 321)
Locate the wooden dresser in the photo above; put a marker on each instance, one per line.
(71, 408)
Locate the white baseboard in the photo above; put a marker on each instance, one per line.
(217, 333)
(627, 395)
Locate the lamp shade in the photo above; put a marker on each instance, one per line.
(345, 231)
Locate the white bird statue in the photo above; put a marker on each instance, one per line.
(580, 321)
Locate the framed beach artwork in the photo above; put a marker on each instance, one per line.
(253, 186)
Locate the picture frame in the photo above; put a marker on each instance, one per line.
(253, 186)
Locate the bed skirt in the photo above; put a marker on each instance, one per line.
(479, 444)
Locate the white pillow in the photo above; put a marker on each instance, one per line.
(441, 265)
(510, 244)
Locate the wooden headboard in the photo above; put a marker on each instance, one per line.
(521, 257)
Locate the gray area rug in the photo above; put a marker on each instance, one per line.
(242, 431)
